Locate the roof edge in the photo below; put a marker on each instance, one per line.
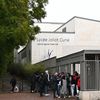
(49, 22)
(65, 23)
(87, 19)
(79, 18)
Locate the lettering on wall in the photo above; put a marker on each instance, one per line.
(51, 41)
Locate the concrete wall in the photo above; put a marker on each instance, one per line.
(87, 32)
(47, 45)
(89, 95)
(70, 26)
(24, 56)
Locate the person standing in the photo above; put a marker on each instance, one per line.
(68, 83)
(55, 85)
(74, 84)
(78, 85)
(63, 87)
(41, 84)
(46, 81)
(13, 82)
(33, 83)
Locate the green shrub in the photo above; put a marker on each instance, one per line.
(25, 71)
(30, 69)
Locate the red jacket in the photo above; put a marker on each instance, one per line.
(78, 83)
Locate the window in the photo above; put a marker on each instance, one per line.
(23, 54)
(89, 56)
(64, 29)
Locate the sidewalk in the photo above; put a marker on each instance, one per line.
(29, 96)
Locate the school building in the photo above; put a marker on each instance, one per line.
(68, 47)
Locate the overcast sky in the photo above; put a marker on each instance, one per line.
(63, 10)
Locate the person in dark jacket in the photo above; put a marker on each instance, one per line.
(56, 89)
(13, 83)
(41, 84)
(54, 84)
(33, 83)
(74, 83)
(68, 83)
(47, 81)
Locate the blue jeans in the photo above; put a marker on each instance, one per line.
(72, 89)
(58, 90)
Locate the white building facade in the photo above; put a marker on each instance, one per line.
(75, 35)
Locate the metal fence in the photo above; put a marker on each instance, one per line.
(5, 85)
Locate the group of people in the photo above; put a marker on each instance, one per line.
(40, 83)
(61, 84)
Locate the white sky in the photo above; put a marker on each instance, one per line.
(63, 10)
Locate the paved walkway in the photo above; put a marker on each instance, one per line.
(28, 96)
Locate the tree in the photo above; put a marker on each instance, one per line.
(15, 21)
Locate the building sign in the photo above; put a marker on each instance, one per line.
(51, 41)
